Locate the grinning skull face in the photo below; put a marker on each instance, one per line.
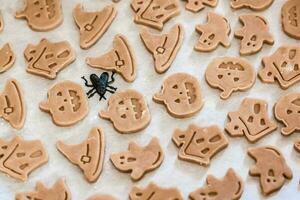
(66, 103)
(181, 94)
(230, 74)
(253, 4)
(283, 65)
(128, 111)
(291, 18)
(287, 110)
(254, 34)
(42, 15)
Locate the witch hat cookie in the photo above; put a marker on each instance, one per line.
(12, 107)
(120, 59)
(88, 155)
(92, 25)
(164, 47)
(7, 58)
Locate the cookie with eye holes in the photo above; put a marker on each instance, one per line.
(120, 59)
(271, 168)
(139, 160)
(181, 95)
(92, 25)
(254, 34)
(230, 74)
(213, 33)
(290, 18)
(282, 66)
(252, 4)
(128, 111)
(197, 5)
(154, 13)
(287, 110)
(7, 58)
(41, 15)
(66, 103)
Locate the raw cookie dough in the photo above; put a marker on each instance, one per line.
(7, 58)
(252, 4)
(290, 18)
(197, 5)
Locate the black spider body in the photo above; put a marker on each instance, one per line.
(100, 85)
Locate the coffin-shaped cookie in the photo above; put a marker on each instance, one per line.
(164, 47)
(12, 106)
(20, 157)
(7, 58)
(120, 59)
(92, 25)
(88, 155)
(59, 191)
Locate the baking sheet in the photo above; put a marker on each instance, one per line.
(173, 172)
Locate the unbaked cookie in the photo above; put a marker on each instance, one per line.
(252, 4)
(101, 197)
(290, 18)
(7, 58)
(197, 5)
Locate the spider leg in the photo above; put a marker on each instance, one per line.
(102, 97)
(91, 95)
(112, 78)
(111, 91)
(86, 82)
(90, 91)
(111, 87)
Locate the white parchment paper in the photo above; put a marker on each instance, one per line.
(173, 172)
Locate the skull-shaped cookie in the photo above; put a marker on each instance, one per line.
(88, 155)
(287, 110)
(154, 13)
(66, 103)
(139, 160)
(290, 20)
(254, 34)
(197, 5)
(7, 58)
(252, 4)
(18, 157)
(181, 95)
(47, 59)
(198, 144)
(92, 25)
(153, 191)
(270, 167)
(213, 33)
(164, 48)
(42, 15)
(128, 111)
(119, 59)
(59, 191)
(230, 187)
(230, 74)
(251, 120)
(283, 66)
(12, 106)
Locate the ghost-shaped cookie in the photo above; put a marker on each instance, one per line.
(92, 25)
(287, 110)
(230, 187)
(88, 155)
(290, 18)
(12, 105)
(253, 34)
(41, 15)
(139, 160)
(283, 66)
(154, 191)
(67, 103)
(20, 157)
(270, 167)
(198, 144)
(197, 5)
(163, 47)
(154, 13)
(59, 191)
(230, 74)
(120, 59)
(7, 58)
(181, 95)
(47, 58)
(128, 111)
(252, 4)
(216, 31)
